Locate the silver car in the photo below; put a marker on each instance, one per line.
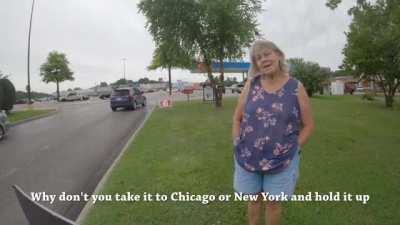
(4, 124)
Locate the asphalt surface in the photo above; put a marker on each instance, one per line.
(67, 152)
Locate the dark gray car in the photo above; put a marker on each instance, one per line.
(129, 98)
(4, 124)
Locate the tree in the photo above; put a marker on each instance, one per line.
(333, 4)
(144, 80)
(56, 69)
(309, 73)
(167, 56)
(230, 25)
(123, 82)
(2, 92)
(7, 93)
(373, 48)
(211, 30)
(103, 84)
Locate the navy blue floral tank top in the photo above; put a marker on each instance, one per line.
(270, 128)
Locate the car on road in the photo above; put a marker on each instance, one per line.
(73, 96)
(4, 124)
(237, 88)
(23, 101)
(128, 98)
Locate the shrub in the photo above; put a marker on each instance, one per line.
(8, 94)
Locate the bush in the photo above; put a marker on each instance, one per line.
(7, 91)
(2, 97)
(370, 96)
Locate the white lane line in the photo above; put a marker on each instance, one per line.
(10, 172)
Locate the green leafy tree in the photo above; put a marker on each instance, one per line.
(2, 94)
(373, 48)
(167, 56)
(103, 84)
(7, 93)
(333, 4)
(56, 69)
(144, 80)
(123, 82)
(309, 73)
(211, 30)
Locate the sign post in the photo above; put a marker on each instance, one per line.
(188, 92)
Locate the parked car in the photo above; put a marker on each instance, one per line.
(128, 98)
(360, 89)
(237, 88)
(73, 96)
(104, 96)
(23, 101)
(4, 124)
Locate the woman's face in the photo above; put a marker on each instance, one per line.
(267, 61)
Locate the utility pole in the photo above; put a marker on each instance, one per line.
(124, 60)
(29, 54)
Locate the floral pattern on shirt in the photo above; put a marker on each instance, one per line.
(257, 93)
(295, 112)
(277, 107)
(245, 118)
(281, 149)
(267, 117)
(289, 129)
(280, 92)
(296, 91)
(265, 164)
(245, 153)
(248, 129)
(249, 167)
(260, 142)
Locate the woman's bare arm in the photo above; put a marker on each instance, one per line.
(238, 114)
(306, 116)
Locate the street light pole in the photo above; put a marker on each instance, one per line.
(124, 60)
(29, 54)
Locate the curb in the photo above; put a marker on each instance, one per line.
(34, 118)
(89, 205)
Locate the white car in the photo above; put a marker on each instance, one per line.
(237, 88)
(73, 96)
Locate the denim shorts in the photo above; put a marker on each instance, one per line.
(253, 183)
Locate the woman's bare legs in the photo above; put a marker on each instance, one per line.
(273, 212)
(254, 210)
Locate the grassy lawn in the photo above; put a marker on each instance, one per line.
(26, 114)
(355, 149)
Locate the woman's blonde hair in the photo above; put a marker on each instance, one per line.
(259, 46)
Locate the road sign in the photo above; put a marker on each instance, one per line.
(165, 103)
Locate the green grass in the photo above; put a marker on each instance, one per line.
(354, 149)
(18, 116)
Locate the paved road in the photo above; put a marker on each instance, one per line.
(153, 98)
(69, 152)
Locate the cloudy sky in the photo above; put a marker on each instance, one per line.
(96, 34)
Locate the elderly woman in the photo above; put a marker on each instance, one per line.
(272, 121)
